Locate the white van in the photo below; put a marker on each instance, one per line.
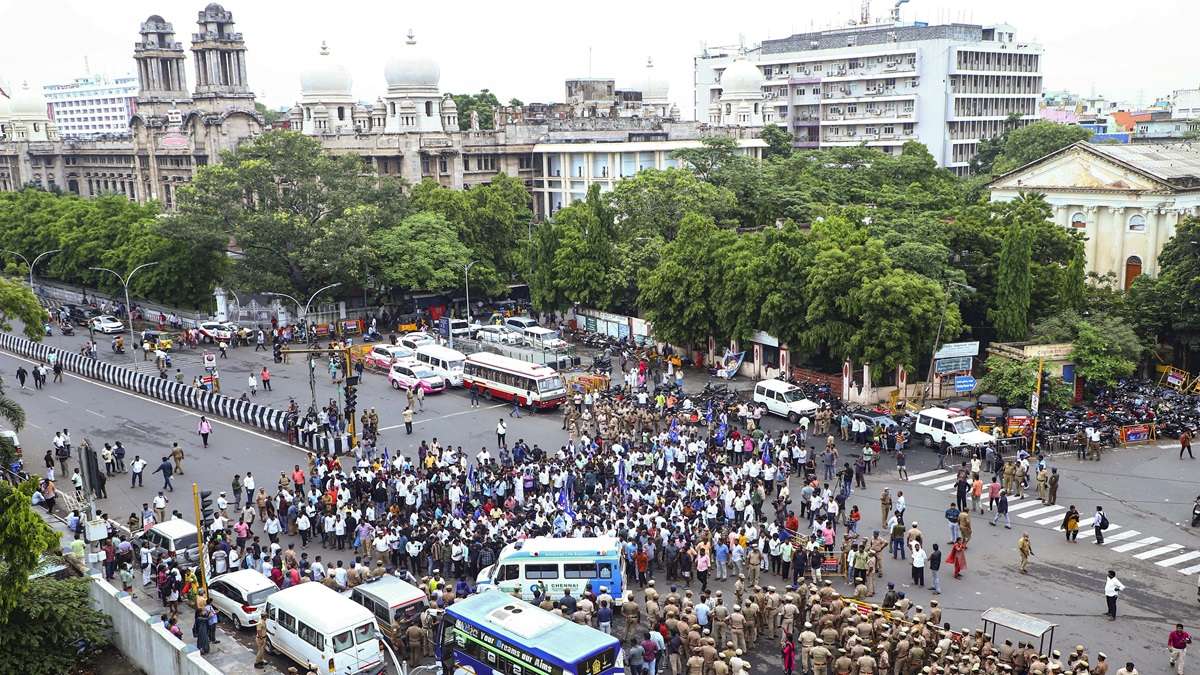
(177, 537)
(937, 424)
(444, 361)
(396, 603)
(784, 399)
(318, 628)
(518, 324)
(580, 565)
(544, 338)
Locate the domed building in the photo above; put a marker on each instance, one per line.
(413, 100)
(741, 102)
(28, 119)
(326, 86)
(655, 93)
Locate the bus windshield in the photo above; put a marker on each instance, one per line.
(550, 384)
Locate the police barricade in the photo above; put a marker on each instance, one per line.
(1008, 448)
(1136, 434)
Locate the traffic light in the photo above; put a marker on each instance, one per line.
(1043, 386)
(277, 350)
(207, 511)
(351, 397)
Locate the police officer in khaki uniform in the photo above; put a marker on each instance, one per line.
(260, 644)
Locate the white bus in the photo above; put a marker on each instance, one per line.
(578, 564)
(444, 361)
(313, 624)
(530, 384)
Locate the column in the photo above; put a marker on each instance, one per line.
(1092, 229)
(242, 69)
(197, 60)
(1117, 214)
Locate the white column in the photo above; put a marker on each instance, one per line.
(1092, 229)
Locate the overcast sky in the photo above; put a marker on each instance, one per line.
(1126, 51)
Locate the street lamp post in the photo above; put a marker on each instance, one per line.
(125, 281)
(33, 264)
(938, 338)
(237, 300)
(304, 310)
(467, 283)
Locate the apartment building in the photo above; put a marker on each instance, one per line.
(947, 86)
(93, 105)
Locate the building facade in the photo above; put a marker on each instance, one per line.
(1125, 199)
(600, 134)
(92, 106)
(883, 84)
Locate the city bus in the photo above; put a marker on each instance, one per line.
(577, 564)
(532, 385)
(491, 632)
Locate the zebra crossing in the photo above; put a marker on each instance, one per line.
(1117, 538)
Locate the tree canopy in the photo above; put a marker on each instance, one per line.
(484, 103)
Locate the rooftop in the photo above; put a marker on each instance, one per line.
(1174, 163)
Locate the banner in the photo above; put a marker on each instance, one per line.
(1136, 433)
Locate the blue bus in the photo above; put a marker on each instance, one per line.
(491, 632)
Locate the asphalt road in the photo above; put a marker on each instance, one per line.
(1147, 491)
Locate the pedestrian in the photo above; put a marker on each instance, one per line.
(260, 645)
(1099, 524)
(1070, 524)
(58, 371)
(1025, 549)
(223, 347)
(252, 384)
(1185, 443)
(501, 430)
(1002, 510)
(177, 458)
(265, 376)
(516, 406)
(1177, 644)
(204, 429)
(935, 570)
(789, 654)
(420, 399)
(136, 467)
(165, 469)
(21, 375)
(408, 420)
(200, 629)
(958, 557)
(474, 397)
(1112, 589)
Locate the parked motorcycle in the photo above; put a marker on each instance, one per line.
(1196, 512)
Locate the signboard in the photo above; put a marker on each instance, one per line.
(210, 360)
(1033, 403)
(589, 324)
(1176, 378)
(963, 384)
(503, 656)
(444, 326)
(1136, 433)
(1052, 352)
(954, 349)
(954, 364)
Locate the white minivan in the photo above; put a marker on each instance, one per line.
(544, 338)
(318, 628)
(937, 424)
(784, 399)
(444, 361)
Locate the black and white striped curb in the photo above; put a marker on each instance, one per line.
(245, 412)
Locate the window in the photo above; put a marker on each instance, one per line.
(287, 621)
(341, 113)
(508, 573)
(311, 636)
(541, 571)
(1078, 220)
(579, 571)
(343, 641)
(429, 108)
(364, 634)
(1133, 270)
(1137, 223)
(392, 107)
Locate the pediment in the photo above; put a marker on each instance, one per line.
(1077, 169)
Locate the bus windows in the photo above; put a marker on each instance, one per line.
(580, 570)
(541, 571)
(508, 573)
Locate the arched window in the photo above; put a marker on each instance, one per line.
(392, 106)
(1078, 220)
(1137, 223)
(755, 108)
(308, 113)
(37, 127)
(728, 109)
(1133, 270)
(429, 108)
(341, 113)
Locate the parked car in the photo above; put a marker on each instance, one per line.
(416, 339)
(109, 325)
(414, 376)
(176, 537)
(460, 328)
(381, 356)
(241, 595)
(497, 335)
(874, 418)
(214, 331)
(81, 316)
(518, 324)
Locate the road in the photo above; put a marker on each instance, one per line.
(1147, 493)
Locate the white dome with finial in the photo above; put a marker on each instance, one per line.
(742, 78)
(412, 68)
(28, 103)
(656, 87)
(325, 77)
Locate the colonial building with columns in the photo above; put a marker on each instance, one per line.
(412, 130)
(1125, 199)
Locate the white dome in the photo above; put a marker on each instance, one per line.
(655, 88)
(28, 103)
(325, 76)
(412, 68)
(741, 79)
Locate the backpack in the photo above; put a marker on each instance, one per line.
(1103, 521)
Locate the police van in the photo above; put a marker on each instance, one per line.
(558, 564)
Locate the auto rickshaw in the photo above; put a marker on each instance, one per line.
(991, 418)
(157, 341)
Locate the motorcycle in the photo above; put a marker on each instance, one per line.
(118, 346)
(67, 329)
(1196, 512)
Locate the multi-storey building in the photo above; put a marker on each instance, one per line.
(92, 106)
(947, 86)
(601, 134)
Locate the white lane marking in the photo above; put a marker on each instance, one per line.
(94, 412)
(1051, 519)
(1111, 527)
(945, 488)
(1171, 562)
(164, 404)
(940, 479)
(1144, 541)
(442, 417)
(1042, 511)
(1127, 534)
(1155, 552)
(59, 399)
(928, 474)
(1019, 505)
(1191, 570)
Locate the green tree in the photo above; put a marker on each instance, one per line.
(423, 252)
(492, 220)
(1034, 141)
(779, 142)
(580, 261)
(40, 632)
(1074, 294)
(24, 537)
(714, 154)
(18, 302)
(677, 297)
(1015, 381)
(271, 116)
(1098, 358)
(1014, 282)
(900, 312)
(301, 218)
(651, 203)
(484, 103)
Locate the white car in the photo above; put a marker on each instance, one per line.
(106, 324)
(241, 595)
(381, 356)
(414, 340)
(497, 335)
(214, 331)
(416, 375)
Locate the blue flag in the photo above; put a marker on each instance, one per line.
(622, 479)
(564, 502)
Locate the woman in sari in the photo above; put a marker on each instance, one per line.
(958, 557)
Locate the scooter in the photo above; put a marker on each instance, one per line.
(67, 329)
(118, 346)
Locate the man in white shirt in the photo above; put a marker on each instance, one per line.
(918, 564)
(1112, 589)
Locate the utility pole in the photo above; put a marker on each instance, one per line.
(351, 383)
(1035, 403)
(201, 531)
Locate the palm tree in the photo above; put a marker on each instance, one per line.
(11, 411)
